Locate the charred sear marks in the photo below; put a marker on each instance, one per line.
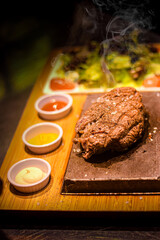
(113, 123)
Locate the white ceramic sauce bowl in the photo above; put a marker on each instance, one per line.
(30, 162)
(39, 128)
(57, 114)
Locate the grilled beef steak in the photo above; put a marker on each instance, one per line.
(113, 123)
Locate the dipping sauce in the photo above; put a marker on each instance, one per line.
(54, 105)
(29, 175)
(61, 84)
(43, 138)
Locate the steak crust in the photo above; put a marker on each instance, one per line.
(113, 123)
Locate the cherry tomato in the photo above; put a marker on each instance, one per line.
(152, 81)
(61, 84)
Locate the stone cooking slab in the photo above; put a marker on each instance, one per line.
(135, 171)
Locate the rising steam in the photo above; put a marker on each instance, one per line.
(116, 24)
(128, 17)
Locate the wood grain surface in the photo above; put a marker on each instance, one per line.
(50, 198)
(77, 234)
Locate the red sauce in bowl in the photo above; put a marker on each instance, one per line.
(61, 84)
(54, 105)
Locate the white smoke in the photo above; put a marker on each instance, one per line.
(127, 17)
(110, 22)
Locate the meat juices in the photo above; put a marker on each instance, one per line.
(113, 123)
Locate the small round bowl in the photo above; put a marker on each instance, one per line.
(30, 162)
(42, 128)
(57, 114)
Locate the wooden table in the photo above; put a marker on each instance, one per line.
(50, 215)
(50, 199)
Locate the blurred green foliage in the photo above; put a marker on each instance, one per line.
(25, 66)
(25, 43)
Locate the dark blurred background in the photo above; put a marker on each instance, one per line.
(25, 44)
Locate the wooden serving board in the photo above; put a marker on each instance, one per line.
(50, 198)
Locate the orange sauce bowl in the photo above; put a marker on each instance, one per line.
(54, 106)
